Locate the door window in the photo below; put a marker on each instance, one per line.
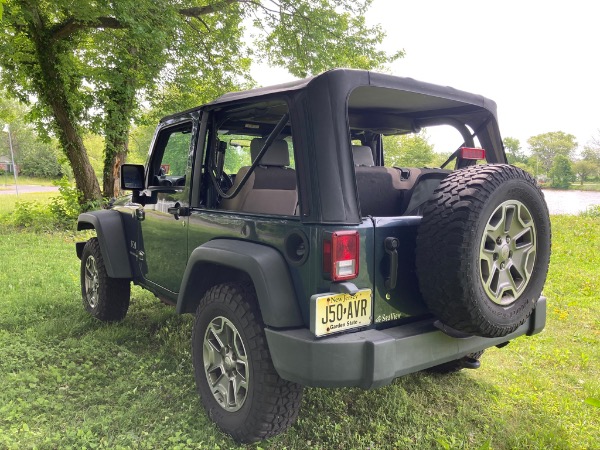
(171, 156)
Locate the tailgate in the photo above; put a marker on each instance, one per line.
(391, 303)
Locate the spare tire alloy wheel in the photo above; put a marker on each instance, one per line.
(508, 249)
(483, 249)
(237, 382)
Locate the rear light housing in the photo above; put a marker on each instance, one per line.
(476, 154)
(341, 255)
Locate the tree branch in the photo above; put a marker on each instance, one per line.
(71, 25)
(200, 11)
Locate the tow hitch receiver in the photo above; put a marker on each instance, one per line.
(470, 363)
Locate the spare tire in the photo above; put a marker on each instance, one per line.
(483, 249)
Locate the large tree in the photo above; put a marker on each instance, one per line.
(561, 173)
(33, 156)
(409, 150)
(514, 152)
(583, 169)
(546, 147)
(80, 59)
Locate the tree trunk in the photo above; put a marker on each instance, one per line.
(52, 90)
(119, 108)
(115, 154)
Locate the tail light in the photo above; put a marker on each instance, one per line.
(472, 153)
(340, 255)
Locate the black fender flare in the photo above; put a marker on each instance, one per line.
(266, 268)
(111, 236)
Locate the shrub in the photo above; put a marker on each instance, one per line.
(62, 212)
(33, 215)
(67, 205)
(592, 212)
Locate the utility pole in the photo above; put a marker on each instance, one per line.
(12, 157)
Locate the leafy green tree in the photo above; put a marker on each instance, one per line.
(591, 153)
(514, 152)
(408, 150)
(77, 58)
(140, 139)
(40, 161)
(584, 168)
(439, 158)
(561, 174)
(546, 147)
(33, 156)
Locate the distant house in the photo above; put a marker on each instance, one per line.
(6, 164)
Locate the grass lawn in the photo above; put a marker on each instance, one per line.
(8, 202)
(585, 186)
(71, 382)
(7, 181)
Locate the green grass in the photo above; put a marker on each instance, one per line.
(585, 187)
(7, 181)
(8, 202)
(71, 382)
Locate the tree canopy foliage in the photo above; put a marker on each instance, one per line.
(514, 152)
(90, 65)
(409, 150)
(33, 156)
(583, 169)
(561, 174)
(548, 146)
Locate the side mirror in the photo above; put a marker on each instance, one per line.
(132, 177)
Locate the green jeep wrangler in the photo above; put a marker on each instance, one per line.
(271, 215)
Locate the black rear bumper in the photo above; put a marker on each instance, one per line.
(374, 358)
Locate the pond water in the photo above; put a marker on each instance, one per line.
(570, 202)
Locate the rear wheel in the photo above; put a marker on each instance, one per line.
(105, 298)
(483, 249)
(238, 385)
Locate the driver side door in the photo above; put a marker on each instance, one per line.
(164, 224)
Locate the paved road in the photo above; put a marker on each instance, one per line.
(26, 188)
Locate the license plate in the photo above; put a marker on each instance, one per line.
(333, 313)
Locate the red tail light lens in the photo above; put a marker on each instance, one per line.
(340, 255)
(472, 153)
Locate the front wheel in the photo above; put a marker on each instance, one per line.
(237, 382)
(105, 298)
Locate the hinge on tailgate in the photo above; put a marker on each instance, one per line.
(391, 248)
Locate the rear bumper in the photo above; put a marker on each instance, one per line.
(374, 358)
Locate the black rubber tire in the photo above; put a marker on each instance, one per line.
(453, 366)
(448, 248)
(271, 404)
(111, 299)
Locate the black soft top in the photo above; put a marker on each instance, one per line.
(351, 79)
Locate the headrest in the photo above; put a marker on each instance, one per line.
(363, 156)
(277, 154)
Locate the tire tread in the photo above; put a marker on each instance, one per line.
(443, 242)
(276, 401)
(113, 293)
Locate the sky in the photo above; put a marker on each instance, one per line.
(538, 60)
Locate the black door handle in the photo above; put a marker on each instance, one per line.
(179, 210)
(174, 210)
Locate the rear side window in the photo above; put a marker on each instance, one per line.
(251, 160)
